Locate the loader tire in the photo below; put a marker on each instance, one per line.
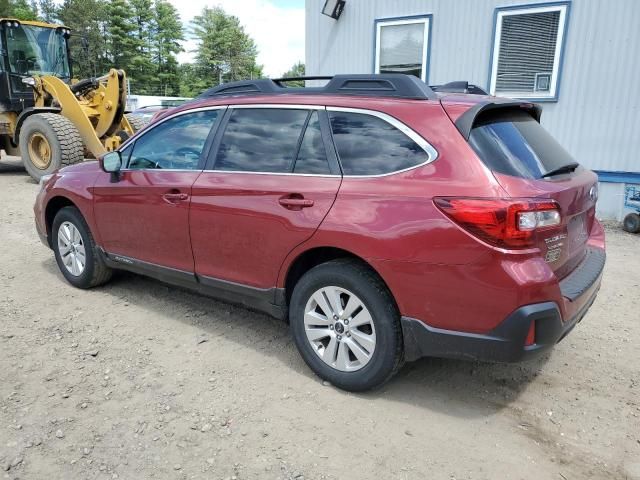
(49, 141)
(136, 122)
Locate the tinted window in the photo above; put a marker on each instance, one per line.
(261, 140)
(312, 156)
(175, 144)
(515, 144)
(125, 153)
(368, 145)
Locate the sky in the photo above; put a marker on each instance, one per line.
(277, 27)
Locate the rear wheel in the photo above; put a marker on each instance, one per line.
(75, 250)
(631, 223)
(346, 325)
(49, 141)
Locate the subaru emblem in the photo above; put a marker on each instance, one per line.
(593, 193)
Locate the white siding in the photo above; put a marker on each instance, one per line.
(597, 113)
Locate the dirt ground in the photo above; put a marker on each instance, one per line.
(138, 380)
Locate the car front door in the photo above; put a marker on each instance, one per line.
(143, 217)
(268, 184)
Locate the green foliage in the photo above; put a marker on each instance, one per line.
(224, 52)
(165, 46)
(20, 9)
(48, 10)
(297, 70)
(87, 19)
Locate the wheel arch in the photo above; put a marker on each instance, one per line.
(54, 205)
(315, 256)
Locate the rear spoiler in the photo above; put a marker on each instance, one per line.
(465, 122)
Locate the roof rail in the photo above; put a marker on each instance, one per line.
(394, 85)
(461, 86)
(282, 80)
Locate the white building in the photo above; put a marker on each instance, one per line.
(580, 59)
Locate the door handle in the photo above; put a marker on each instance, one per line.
(295, 202)
(174, 197)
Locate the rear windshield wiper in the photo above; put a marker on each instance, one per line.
(569, 167)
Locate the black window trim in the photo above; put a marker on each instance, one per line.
(131, 141)
(432, 153)
(334, 166)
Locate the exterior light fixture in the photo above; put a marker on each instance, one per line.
(333, 8)
(11, 23)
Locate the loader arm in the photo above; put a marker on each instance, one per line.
(95, 107)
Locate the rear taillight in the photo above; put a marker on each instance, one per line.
(505, 223)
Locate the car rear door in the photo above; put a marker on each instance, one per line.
(143, 217)
(269, 182)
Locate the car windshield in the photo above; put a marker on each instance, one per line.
(36, 50)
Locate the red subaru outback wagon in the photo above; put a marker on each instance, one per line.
(384, 219)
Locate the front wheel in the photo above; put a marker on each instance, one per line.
(49, 141)
(346, 325)
(75, 250)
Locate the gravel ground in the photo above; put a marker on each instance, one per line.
(138, 380)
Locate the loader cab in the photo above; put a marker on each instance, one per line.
(30, 49)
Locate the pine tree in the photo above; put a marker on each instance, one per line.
(121, 34)
(48, 11)
(141, 69)
(165, 46)
(225, 51)
(87, 20)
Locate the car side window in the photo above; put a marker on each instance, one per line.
(368, 145)
(175, 144)
(312, 156)
(125, 153)
(261, 140)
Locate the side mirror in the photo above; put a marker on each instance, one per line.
(111, 163)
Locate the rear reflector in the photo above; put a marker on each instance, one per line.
(505, 223)
(531, 335)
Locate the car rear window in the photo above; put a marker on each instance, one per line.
(514, 143)
(368, 145)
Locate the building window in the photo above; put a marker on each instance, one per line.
(527, 51)
(402, 46)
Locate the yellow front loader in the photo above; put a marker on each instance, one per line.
(47, 118)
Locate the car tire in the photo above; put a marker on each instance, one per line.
(347, 280)
(631, 223)
(49, 141)
(75, 250)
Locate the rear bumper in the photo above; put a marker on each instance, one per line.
(506, 342)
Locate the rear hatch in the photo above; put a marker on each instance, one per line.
(529, 163)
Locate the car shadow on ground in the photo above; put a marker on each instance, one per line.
(461, 388)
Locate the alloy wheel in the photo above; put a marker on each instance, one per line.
(340, 328)
(71, 248)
